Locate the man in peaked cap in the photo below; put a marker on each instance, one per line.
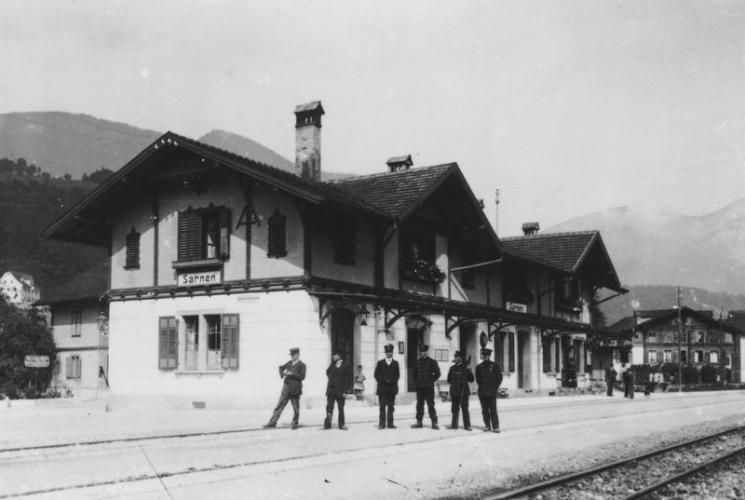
(387, 374)
(293, 373)
(337, 374)
(488, 378)
(458, 377)
(426, 372)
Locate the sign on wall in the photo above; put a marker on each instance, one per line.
(201, 278)
(516, 307)
(33, 361)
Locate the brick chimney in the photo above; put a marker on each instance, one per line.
(396, 163)
(308, 140)
(530, 228)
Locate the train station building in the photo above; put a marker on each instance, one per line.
(219, 263)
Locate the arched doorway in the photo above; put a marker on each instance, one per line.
(342, 341)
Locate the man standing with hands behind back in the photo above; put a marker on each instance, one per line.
(294, 373)
(338, 375)
(489, 378)
(426, 372)
(387, 375)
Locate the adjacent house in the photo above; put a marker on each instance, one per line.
(220, 263)
(78, 316)
(686, 336)
(19, 289)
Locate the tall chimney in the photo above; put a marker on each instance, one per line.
(308, 140)
(530, 228)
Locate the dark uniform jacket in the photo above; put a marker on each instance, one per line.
(294, 379)
(610, 374)
(458, 376)
(338, 380)
(489, 378)
(387, 377)
(426, 372)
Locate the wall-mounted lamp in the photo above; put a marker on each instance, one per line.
(102, 321)
(363, 314)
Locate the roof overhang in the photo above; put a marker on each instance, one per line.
(81, 224)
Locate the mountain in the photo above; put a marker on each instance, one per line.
(66, 143)
(657, 248)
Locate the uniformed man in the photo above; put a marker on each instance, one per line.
(338, 375)
(458, 377)
(488, 378)
(426, 372)
(293, 373)
(386, 375)
(610, 379)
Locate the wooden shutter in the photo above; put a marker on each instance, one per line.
(68, 367)
(230, 341)
(168, 344)
(132, 260)
(557, 355)
(189, 236)
(511, 354)
(277, 244)
(546, 346)
(224, 250)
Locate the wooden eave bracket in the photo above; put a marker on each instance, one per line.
(396, 315)
(453, 322)
(494, 327)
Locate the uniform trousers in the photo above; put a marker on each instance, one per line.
(284, 397)
(330, 400)
(460, 402)
(425, 394)
(386, 403)
(489, 412)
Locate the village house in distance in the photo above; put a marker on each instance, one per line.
(220, 263)
(19, 289)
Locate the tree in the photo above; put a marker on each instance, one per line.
(23, 333)
(99, 175)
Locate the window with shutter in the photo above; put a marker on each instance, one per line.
(345, 239)
(204, 234)
(168, 343)
(132, 259)
(557, 354)
(277, 228)
(76, 322)
(73, 367)
(230, 341)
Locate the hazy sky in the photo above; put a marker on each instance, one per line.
(567, 107)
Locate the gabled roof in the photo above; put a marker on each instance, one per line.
(568, 252)
(70, 226)
(396, 193)
(23, 278)
(663, 316)
(399, 194)
(87, 286)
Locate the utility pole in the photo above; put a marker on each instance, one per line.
(680, 345)
(496, 212)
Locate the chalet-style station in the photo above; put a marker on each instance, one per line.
(220, 263)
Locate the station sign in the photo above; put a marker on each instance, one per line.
(33, 361)
(517, 307)
(201, 278)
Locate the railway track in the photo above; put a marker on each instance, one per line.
(684, 460)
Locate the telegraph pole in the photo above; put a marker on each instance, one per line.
(680, 345)
(496, 212)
